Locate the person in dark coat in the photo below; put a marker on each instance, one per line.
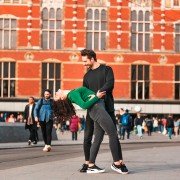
(170, 125)
(74, 126)
(30, 121)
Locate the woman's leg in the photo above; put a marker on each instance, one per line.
(100, 115)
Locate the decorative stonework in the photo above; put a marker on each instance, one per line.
(52, 3)
(29, 56)
(118, 58)
(163, 59)
(141, 3)
(96, 3)
(74, 57)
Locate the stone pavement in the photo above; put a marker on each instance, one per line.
(159, 163)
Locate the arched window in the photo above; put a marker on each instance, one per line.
(51, 28)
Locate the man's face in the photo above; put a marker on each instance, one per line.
(87, 62)
(31, 100)
(47, 95)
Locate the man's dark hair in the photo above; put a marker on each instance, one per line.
(89, 53)
(47, 90)
(32, 97)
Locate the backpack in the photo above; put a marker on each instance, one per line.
(125, 119)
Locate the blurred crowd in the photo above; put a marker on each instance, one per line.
(142, 124)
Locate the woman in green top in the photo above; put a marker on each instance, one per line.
(87, 99)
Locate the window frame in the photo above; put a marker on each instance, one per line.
(8, 74)
(138, 80)
(96, 37)
(46, 75)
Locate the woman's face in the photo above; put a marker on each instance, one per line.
(61, 94)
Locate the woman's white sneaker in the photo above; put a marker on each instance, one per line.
(95, 169)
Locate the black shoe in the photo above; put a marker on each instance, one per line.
(34, 142)
(84, 168)
(95, 169)
(29, 142)
(122, 169)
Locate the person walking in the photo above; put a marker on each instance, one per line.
(138, 123)
(176, 127)
(98, 78)
(30, 121)
(74, 126)
(87, 99)
(149, 124)
(43, 113)
(170, 125)
(126, 124)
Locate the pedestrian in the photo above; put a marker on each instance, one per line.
(118, 118)
(149, 124)
(176, 127)
(30, 121)
(87, 99)
(82, 122)
(1, 117)
(170, 125)
(43, 113)
(126, 122)
(74, 126)
(98, 77)
(138, 123)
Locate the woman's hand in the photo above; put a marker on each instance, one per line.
(100, 94)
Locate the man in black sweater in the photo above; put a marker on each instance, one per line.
(98, 77)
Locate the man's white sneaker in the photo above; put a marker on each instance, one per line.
(48, 148)
(45, 148)
(95, 169)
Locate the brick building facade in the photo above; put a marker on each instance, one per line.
(40, 43)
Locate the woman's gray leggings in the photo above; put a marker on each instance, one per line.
(103, 123)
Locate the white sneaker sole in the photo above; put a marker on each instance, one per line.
(95, 172)
(118, 170)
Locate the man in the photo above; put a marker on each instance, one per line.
(30, 121)
(138, 123)
(99, 77)
(43, 113)
(126, 122)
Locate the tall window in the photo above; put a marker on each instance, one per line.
(177, 82)
(176, 2)
(7, 79)
(96, 29)
(140, 82)
(51, 76)
(177, 37)
(51, 28)
(8, 34)
(140, 30)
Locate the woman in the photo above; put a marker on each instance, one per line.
(86, 99)
(74, 126)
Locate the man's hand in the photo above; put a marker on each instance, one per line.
(100, 94)
(36, 119)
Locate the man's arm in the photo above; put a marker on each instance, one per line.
(109, 78)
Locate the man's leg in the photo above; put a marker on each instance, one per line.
(88, 134)
(43, 130)
(49, 126)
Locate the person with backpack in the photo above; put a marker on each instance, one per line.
(126, 124)
(170, 125)
(149, 124)
(43, 112)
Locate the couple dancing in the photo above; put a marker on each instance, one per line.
(95, 104)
